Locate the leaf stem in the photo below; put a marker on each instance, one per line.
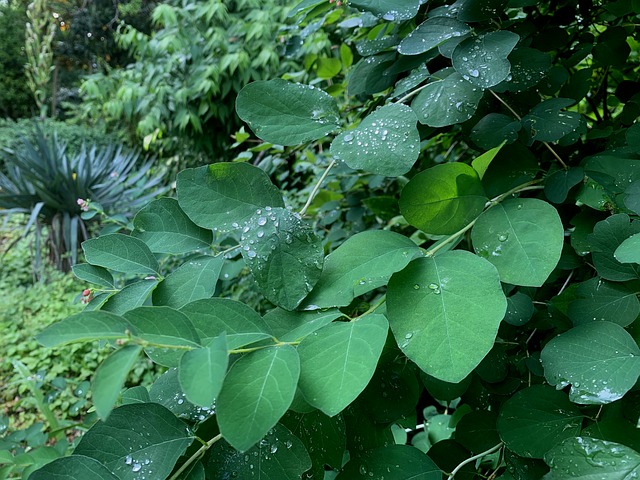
(373, 308)
(411, 94)
(473, 459)
(201, 451)
(317, 187)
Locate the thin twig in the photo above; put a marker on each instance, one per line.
(201, 451)
(473, 459)
(317, 187)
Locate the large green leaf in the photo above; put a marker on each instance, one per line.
(482, 60)
(165, 228)
(598, 300)
(391, 10)
(546, 122)
(607, 236)
(90, 273)
(584, 458)
(287, 113)
(223, 196)
(211, 317)
(110, 377)
(121, 253)
(393, 462)
(131, 296)
(480, 10)
(386, 142)
(74, 467)
(494, 129)
(137, 440)
(284, 255)
(362, 263)
(84, 327)
(202, 371)
(447, 102)
(292, 326)
(443, 199)
(169, 331)
(372, 74)
(445, 311)
(279, 456)
(257, 392)
(193, 280)
(431, 33)
(522, 237)
(629, 250)
(528, 68)
(599, 359)
(338, 361)
(166, 391)
(535, 419)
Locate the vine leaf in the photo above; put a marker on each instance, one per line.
(338, 361)
(445, 311)
(443, 199)
(287, 113)
(386, 142)
(600, 360)
(223, 196)
(256, 393)
(523, 238)
(605, 240)
(121, 253)
(202, 371)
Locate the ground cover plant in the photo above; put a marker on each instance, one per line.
(481, 324)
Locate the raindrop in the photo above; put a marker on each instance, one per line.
(416, 287)
(348, 138)
(262, 221)
(128, 460)
(408, 335)
(136, 467)
(503, 237)
(474, 73)
(260, 233)
(251, 254)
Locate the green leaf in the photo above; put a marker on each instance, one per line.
(165, 228)
(547, 123)
(202, 371)
(294, 326)
(586, 458)
(372, 75)
(629, 250)
(193, 280)
(480, 10)
(494, 129)
(92, 274)
(279, 456)
(74, 467)
(284, 255)
(456, 305)
(390, 10)
(431, 33)
(445, 391)
(447, 102)
(338, 361)
(481, 164)
(386, 142)
(599, 300)
(520, 309)
(443, 199)
(483, 60)
(121, 253)
(607, 236)
(131, 296)
(110, 377)
(477, 432)
(84, 327)
(166, 391)
(362, 263)
(393, 462)
(528, 68)
(524, 251)
(535, 419)
(213, 316)
(287, 113)
(558, 184)
(600, 360)
(257, 392)
(167, 327)
(137, 440)
(223, 196)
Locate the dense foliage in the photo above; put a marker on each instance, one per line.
(458, 296)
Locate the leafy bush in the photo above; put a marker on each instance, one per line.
(490, 329)
(55, 189)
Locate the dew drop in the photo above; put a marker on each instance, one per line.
(503, 237)
(262, 221)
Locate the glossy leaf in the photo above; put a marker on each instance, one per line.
(394, 462)
(121, 253)
(431, 33)
(84, 327)
(193, 280)
(287, 113)
(443, 199)
(338, 361)
(73, 467)
(293, 326)
(92, 274)
(535, 419)
(391, 10)
(607, 236)
(362, 263)
(528, 68)
(493, 129)
(110, 377)
(223, 196)
(131, 296)
(456, 305)
(166, 391)
(386, 142)
(202, 371)
(165, 228)
(137, 440)
(629, 250)
(599, 359)
(599, 300)
(546, 122)
(284, 255)
(257, 392)
(522, 237)
(558, 184)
